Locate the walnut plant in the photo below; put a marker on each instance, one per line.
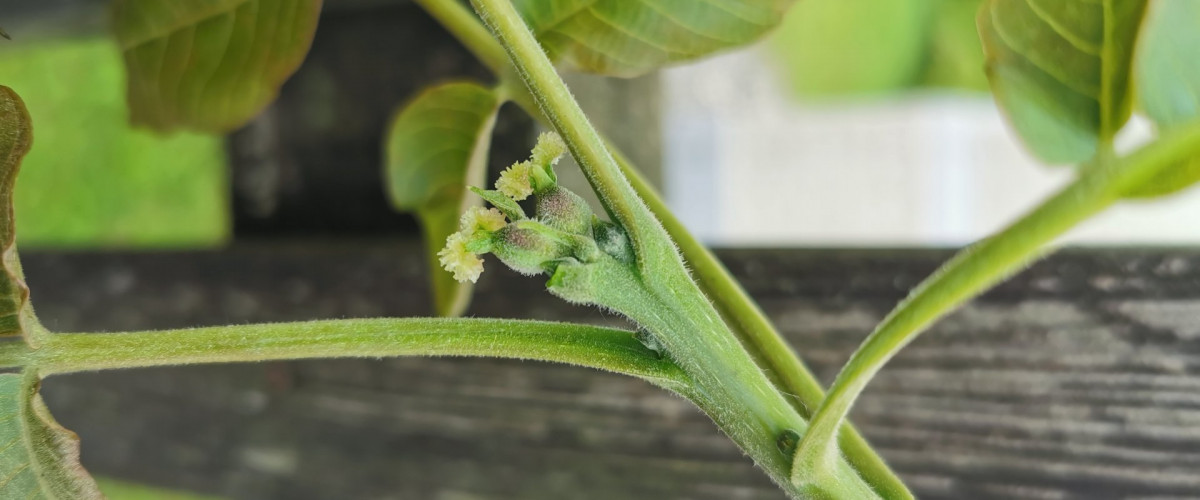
(1068, 74)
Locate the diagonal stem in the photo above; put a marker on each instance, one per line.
(651, 244)
(734, 390)
(754, 331)
(976, 269)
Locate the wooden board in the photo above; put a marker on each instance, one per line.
(1079, 379)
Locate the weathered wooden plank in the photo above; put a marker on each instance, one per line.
(1079, 379)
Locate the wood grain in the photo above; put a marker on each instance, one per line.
(1079, 379)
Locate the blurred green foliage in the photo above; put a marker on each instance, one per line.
(116, 489)
(840, 48)
(90, 179)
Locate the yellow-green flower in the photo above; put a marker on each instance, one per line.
(481, 219)
(455, 258)
(550, 147)
(514, 181)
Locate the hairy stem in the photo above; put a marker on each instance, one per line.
(602, 348)
(771, 352)
(650, 240)
(733, 389)
(753, 329)
(974, 270)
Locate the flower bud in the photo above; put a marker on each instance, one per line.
(529, 247)
(561, 209)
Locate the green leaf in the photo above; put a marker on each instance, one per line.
(1168, 65)
(436, 146)
(954, 55)
(16, 137)
(1168, 82)
(631, 37)
(38, 457)
(209, 65)
(95, 181)
(839, 47)
(502, 203)
(1060, 70)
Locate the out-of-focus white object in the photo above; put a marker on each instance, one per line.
(748, 164)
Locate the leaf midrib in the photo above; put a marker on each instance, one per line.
(589, 6)
(1095, 94)
(193, 20)
(22, 399)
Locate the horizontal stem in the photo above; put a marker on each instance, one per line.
(591, 346)
(976, 269)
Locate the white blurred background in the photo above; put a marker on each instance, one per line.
(755, 156)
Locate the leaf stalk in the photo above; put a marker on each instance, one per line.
(584, 345)
(974, 270)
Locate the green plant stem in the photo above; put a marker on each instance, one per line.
(602, 348)
(650, 241)
(974, 270)
(728, 384)
(770, 351)
(753, 329)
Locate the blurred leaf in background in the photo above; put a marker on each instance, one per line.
(838, 48)
(116, 489)
(954, 56)
(90, 179)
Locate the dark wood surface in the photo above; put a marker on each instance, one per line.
(1079, 379)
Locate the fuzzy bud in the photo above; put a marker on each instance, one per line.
(530, 247)
(566, 211)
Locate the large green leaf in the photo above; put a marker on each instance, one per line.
(1168, 82)
(436, 146)
(630, 37)
(16, 136)
(1060, 70)
(209, 65)
(39, 459)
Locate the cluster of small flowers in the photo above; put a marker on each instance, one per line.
(479, 226)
